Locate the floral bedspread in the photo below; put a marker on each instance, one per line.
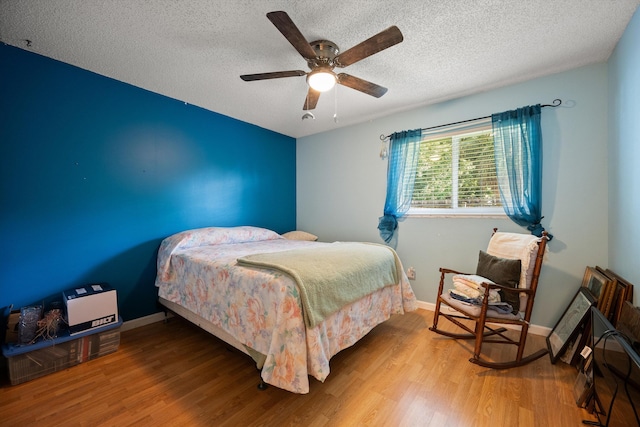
(261, 308)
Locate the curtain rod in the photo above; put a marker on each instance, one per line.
(556, 103)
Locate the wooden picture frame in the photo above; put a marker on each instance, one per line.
(628, 285)
(602, 287)
(623, 292)
(595, 280)
(619, 297)
(569, 324)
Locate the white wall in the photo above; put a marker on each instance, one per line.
(624, 166)
(341, 185)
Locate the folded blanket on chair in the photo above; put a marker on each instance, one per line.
(471, 280)
(470, 285)
(500, 307)
(464, 298)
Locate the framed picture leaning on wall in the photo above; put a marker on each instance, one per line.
(623, 291)
(567, 328)
(601, 286)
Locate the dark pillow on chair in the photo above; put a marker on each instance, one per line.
(503, 271)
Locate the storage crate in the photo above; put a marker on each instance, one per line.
(44, 357)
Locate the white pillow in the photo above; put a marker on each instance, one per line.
(300, 235)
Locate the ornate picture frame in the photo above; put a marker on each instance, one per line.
(601, 286)
(595, 280)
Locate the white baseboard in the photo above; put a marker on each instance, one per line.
(143, 321)
(158, 317)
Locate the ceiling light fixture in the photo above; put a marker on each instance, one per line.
(322, 79)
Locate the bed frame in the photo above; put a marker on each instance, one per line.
(204, 324)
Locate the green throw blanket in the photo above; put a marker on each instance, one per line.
(332, 276)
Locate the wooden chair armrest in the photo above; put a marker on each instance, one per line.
(506, 288)
(449, 271)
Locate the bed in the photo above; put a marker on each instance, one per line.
(225, 280)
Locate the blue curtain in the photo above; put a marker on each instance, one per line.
(517, 139)
(401, 177)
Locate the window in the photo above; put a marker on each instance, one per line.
(456, 172)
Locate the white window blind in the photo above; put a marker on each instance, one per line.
(456, 171)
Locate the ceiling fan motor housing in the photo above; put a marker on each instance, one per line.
(326, 51)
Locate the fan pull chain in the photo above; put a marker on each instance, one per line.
(335, 104)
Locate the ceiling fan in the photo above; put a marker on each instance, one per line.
(323, 56)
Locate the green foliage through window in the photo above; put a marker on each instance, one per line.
(456, 170)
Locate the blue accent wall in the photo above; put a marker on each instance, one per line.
(94, 173)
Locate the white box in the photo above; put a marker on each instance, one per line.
(90, 307)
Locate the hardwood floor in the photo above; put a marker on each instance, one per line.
(401, 374)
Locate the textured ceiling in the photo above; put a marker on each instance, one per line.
(195, 50)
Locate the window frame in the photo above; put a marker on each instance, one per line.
(457, 132)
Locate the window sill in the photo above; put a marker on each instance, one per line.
(454, 214)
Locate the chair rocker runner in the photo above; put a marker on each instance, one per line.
(504, 253)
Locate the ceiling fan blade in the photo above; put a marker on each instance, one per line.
(361, 85)
(274, 75)
(289, 30)
(383, 40)
(312, 100)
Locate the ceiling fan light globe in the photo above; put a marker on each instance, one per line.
(322, 80)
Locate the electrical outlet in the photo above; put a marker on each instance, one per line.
(411, 273)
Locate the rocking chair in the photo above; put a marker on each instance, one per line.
(497, 275)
